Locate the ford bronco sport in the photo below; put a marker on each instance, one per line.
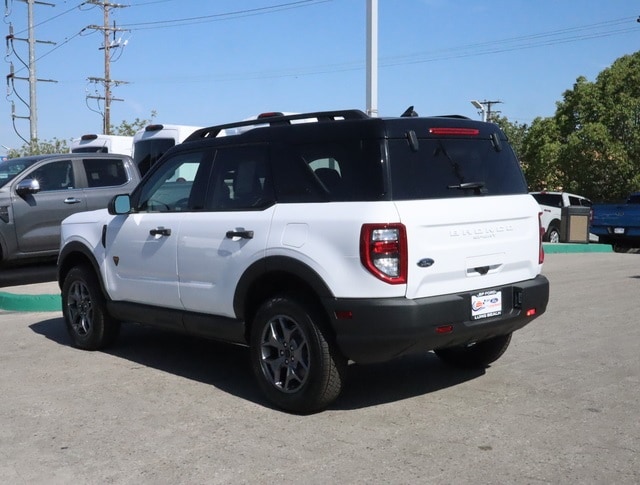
(341, 238)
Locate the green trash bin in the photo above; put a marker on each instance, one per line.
(574, 224)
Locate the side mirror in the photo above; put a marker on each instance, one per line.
(120, 204)
(28, 186)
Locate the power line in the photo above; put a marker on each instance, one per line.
(222, 16)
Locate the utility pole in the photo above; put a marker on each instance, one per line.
(31, 40)
(108, 45)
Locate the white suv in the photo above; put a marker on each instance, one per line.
(347, 238)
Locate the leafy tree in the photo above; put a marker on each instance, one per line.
(599, 133)
(129, 128)
(515, 131)
(539, 155)
(39, 148)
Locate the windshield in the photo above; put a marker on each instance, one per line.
(10, 169)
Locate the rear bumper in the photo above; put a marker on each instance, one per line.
(631, 237)
(381, 329)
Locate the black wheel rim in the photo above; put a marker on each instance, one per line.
(284, 354)
(80, 308)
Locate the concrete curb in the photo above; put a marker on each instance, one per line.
(550, 248)
(30, 303)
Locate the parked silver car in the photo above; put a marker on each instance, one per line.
(38, 192)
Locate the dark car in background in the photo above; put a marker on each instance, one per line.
(38, 192)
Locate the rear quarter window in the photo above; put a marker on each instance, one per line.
(329, 171)
(105, 172)
(552, 200)
(440, 167)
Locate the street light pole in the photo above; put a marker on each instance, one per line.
(372, 58)
(481, 107)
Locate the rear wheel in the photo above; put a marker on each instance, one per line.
(478, 355)
(293, 357)
(85, 313)
(553, 234)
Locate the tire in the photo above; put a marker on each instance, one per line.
(553, 234)
(84, 310)
(617, 248)
(294, 359)
(476, 356)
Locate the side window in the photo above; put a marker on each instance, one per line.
(241, 179)
(104, 172)
(178, 185)
(329, 171)
(54, 176)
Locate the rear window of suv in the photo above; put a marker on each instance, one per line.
(453, 167)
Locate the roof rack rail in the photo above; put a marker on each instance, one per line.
(460, 117)
(277, 119)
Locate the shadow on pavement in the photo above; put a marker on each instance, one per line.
(227, 367)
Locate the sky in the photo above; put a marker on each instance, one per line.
(206, 62)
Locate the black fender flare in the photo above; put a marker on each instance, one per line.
(69, 254)
(281, 265)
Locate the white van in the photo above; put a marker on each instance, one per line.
(150, 143)
(91, 143)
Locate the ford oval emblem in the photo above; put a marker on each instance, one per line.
(425, 263)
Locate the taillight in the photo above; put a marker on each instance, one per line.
(383, 251)
(540, 234)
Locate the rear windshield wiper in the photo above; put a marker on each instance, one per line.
(477, 187)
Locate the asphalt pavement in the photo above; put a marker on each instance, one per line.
(163, 408)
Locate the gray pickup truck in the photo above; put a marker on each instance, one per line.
(38, 192)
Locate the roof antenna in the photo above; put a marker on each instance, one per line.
(409, 113)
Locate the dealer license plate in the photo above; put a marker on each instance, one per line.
(486, 304)
(618, 230)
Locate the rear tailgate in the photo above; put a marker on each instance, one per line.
(470, 243)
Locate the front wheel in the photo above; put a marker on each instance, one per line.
(293, 357)
(478, 355)
(85, 313)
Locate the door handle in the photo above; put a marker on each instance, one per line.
(242, 234)
(72, 200)
(160, 231)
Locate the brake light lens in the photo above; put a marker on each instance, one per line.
(383, 251)
(454, 131)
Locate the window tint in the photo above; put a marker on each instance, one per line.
(241, 179)
(104, 172)
(326, 171)
(147, 152)
(54, 176)
(553, 200)
(91, 149)
(178, 185)
(440, 168)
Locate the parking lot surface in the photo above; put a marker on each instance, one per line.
(561, 406)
